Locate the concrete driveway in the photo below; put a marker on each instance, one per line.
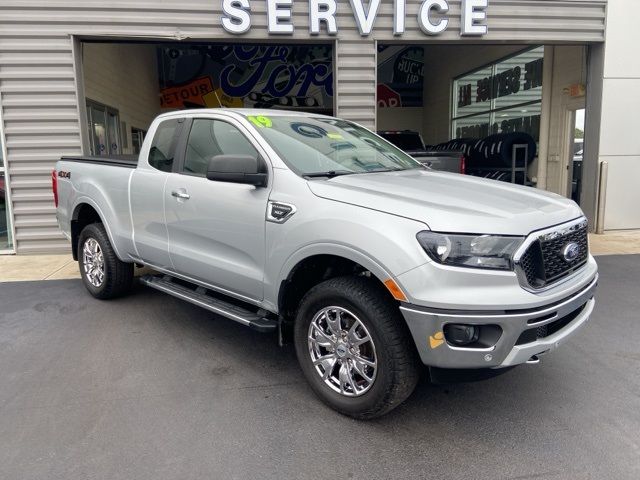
(149, 387)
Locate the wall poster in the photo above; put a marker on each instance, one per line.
(400, 75)
(246, 75)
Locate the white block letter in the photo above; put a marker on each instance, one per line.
(365, 20)
(277, 11)
(236, 17)
(473, 11)
(424, 17)
(327, 15)
(399, 7)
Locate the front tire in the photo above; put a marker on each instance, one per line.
(354, 348)
(102, 272)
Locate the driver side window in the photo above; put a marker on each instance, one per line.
(209, 138)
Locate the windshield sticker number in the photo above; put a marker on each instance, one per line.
(334, 136)
(260, 121)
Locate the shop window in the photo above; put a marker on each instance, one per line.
(503, 97)
(104, 129)
(209, 138)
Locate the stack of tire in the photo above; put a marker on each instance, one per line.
(462, 145)
(497, 151)
(493, 152)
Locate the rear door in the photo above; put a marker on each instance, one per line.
(217, 229)
(147, 194)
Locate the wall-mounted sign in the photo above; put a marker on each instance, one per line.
(432, 16)
(575, 90)
(400, 75)
(507, 82)
(249, 75)
(502, 97)
(192, 92)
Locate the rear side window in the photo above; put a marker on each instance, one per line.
(163, 146)
(209, 138)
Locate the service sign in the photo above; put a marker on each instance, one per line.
(432, 16)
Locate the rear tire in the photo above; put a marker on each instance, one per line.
(102, 272)
(354, 347)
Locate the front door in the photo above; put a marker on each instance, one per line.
(216, 229)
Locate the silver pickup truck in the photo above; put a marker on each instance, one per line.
(320, 230)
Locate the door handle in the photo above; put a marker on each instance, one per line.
(180, 195)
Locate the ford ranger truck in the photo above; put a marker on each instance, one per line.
(318, 229)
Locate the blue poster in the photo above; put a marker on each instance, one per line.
(246, 75)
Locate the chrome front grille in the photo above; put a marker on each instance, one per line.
(545, 260)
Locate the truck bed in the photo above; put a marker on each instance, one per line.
(102, 183)
(128, 161)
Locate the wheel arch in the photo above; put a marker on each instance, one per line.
(85, 213)
(311, 266)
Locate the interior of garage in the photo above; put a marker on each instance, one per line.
(441, 91)
(470, 92)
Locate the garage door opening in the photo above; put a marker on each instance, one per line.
(126, 85)
(494, 111)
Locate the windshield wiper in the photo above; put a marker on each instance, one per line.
(328, 174)
(383, 169)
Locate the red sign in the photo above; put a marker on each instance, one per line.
(188, 95)
(388, 97)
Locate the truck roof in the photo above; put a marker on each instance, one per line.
(247, 111)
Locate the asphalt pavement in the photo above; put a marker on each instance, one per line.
(150, 387)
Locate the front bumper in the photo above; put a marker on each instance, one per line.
(563, 317)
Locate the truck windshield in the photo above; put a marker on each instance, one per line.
(317, 147)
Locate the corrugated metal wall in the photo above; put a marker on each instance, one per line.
(38, 85)
(356, 68)
(40, 115)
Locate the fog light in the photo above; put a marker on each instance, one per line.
(460, 335)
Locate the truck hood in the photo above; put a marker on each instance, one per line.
(449, 202)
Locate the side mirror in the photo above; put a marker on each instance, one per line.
(236, 169)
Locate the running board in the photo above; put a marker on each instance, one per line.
(201, 297)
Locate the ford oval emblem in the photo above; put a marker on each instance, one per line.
(570, 251)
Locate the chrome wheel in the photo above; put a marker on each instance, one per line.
(93, 261)
(342, 351)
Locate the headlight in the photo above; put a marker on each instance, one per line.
(477, 251)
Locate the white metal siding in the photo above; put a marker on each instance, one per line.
(40, 114)
(38, 87)
(356, 81)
